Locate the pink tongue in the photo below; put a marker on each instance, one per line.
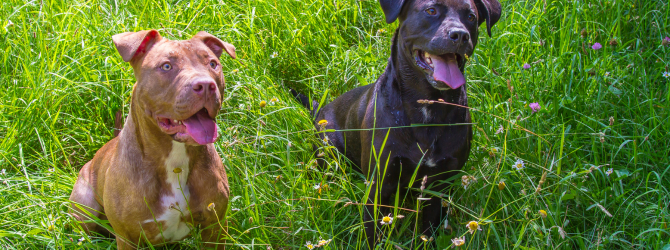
(201, 128)
(446, 70)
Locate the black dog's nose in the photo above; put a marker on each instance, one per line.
(459, 35)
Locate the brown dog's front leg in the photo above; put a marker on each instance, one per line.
(122, 244)
(215, 236)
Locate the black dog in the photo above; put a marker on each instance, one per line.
(428, 55)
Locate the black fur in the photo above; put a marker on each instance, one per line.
(438, 151)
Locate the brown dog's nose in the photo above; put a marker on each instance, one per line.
(203, 86)
(459, 35)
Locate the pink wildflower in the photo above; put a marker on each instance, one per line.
(535, 107)
(596, 46)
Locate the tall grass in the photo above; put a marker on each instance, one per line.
(63, 82)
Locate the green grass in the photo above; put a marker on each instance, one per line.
(62, 81)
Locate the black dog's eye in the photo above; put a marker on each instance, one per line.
(431, 11)
(166, 67)
(213, 64)
(472, 17)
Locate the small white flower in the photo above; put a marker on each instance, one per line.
(607, 74)
(426, 239)
(241, 106)
(317, 186)
(457, 242)
(518, 165)
(3, 172)
(51, 169)
(466, 180)
(387, 220)
(323, 242)
(309, 245)
(609, 172)
(500, 129)
(666, 74)
(274, 54)
(473, 226)
(81, 239)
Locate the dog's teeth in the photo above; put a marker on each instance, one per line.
(174, 121)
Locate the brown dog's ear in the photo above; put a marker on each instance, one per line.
(215, 44)
(391, 9)
(133, 44)
(490, 10)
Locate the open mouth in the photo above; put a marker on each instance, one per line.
(199, 128)
(442, 71)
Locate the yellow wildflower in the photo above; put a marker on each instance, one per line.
(501, 185)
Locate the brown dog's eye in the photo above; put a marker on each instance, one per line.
(431, 11)
(472, 17)
(213, 64)
(166, 67)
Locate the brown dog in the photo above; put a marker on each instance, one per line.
(161, 176)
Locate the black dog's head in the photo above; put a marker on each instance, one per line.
(438, 34)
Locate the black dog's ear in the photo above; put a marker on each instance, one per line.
(490, 11)
(391, 9)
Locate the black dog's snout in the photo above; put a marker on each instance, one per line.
(459, 35)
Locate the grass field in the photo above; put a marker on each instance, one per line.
(596, 155)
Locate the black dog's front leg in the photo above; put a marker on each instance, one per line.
(384, 184)
(432, 214)
(373, 227)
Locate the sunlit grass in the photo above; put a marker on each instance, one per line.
(62, 83)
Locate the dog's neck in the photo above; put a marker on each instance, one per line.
(412, 85)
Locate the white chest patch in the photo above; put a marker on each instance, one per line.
(426, 114)
(175, 205)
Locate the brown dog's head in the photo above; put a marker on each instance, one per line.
(438, 34)
(179, 83)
